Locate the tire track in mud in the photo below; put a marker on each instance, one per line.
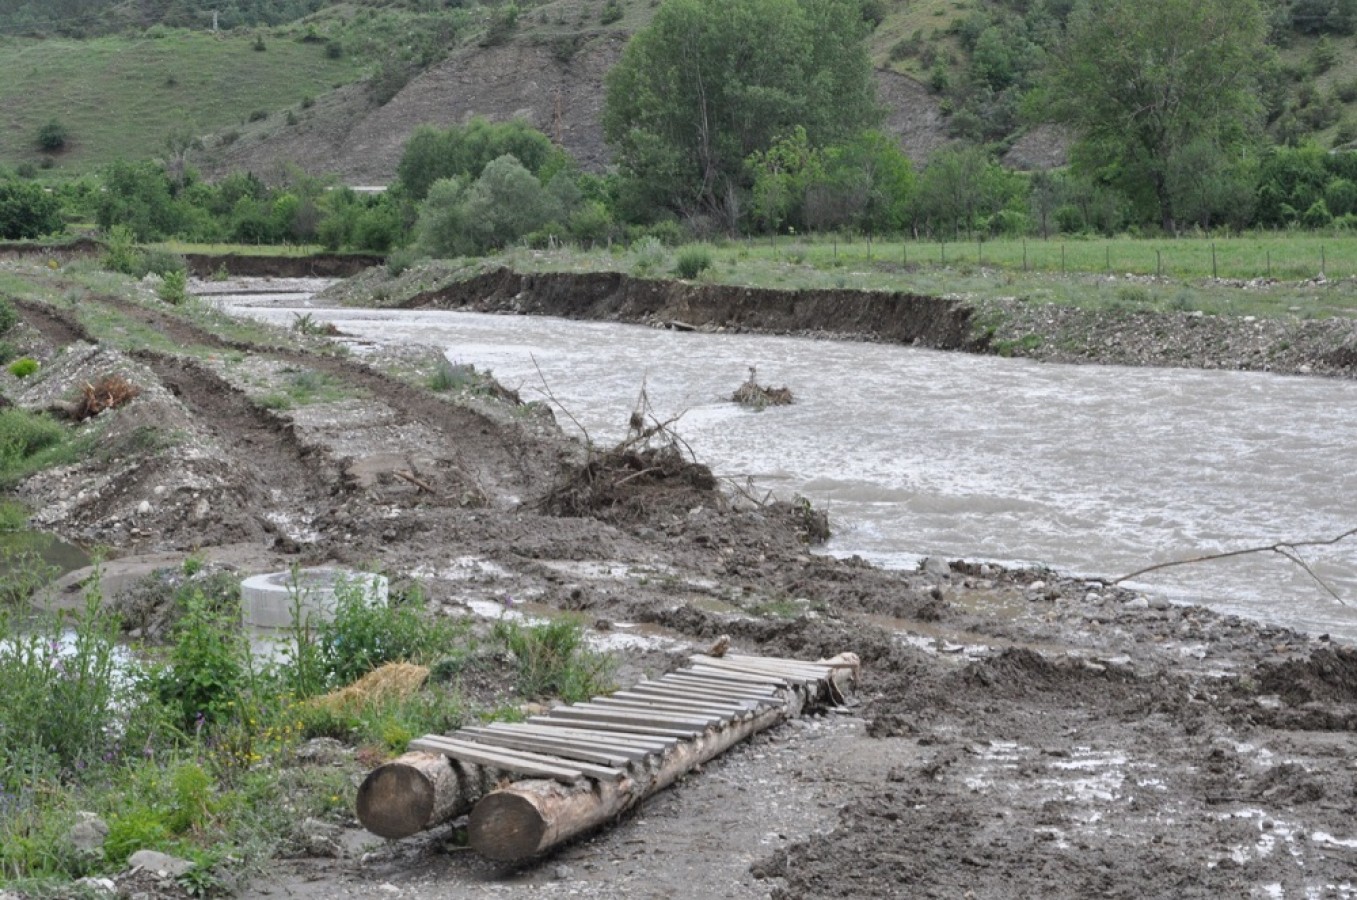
(282, 475)
(489, 449)
(56, 327)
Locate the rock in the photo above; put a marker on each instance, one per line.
(160, 863)
(562, 873)
(1036, 586)
(1137, 602)
(935, 565)
(1093, 598)
(319, 839)
(93, 887)
(323, 751)
(144, 508)
(87, 835)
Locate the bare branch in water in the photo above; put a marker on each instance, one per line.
(1284, 549)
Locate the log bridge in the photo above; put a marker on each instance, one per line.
(532, 785)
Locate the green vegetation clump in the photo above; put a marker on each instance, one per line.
(173, 287)
(553, 660)
(692, 261)
(23, 367)
(27, 211)
(52, 136)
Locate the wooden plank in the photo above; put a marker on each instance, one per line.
(745, 677)
(819, 667)
(727, 686)
(620, 739)
(567, 748)
(677, 697)
(725, 666)
(596, 716)
(465, 750)
(607, 725)
(758, 664)
(675, 689)
(658, 718)
(649, 706)
(498, 760)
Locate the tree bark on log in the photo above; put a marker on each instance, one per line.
(419, 790)
(529, 817)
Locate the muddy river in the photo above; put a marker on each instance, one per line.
(1087, 469)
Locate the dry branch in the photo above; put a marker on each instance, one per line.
(1284, 549)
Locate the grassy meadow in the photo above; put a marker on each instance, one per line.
(121, 96)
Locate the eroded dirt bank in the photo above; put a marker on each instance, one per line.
(1017, 734)
(1009, 326)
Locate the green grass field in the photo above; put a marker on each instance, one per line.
(120, 96)
(995, 269)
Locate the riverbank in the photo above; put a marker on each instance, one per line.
(1126, 331)
(1017, 732)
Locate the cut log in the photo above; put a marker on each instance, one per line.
(529, 817)
(417, 791)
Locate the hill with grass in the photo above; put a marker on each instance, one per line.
(339, 88)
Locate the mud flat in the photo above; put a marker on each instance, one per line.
(1018, 733)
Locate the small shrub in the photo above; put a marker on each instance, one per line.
(449, 376)
(9, 316)
(259, 45)
(173, 288)
(28, 442)
(308, 101)
(259, 115)
(53, 137)
(554, 661)
(306, 323)
(648, 254)
(400, 260)
(23, 367)
(334, 50)
(692, 261)
(612, 12)
(209, 665)
(291, 118)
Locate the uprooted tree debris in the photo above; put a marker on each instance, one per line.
(756, 396)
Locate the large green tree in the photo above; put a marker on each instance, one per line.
(1141, 82)
(711, 82)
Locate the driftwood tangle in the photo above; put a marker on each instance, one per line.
(531, 785)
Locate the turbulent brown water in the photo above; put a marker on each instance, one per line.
(1087, 469)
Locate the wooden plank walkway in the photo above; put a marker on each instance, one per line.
(598, 739)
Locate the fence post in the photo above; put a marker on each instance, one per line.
(904, 252)
(1269, 264)
(1024, 254)
(1062, 259)
(979, 251)
(1213, 260)
(1322, 265)
(1108, 249)
(1158, 264)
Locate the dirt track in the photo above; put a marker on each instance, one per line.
(1018, 734)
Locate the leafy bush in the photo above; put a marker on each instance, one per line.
(23, 367)
(209, 668)
(27, 211)
(449, 376)
(692, 261)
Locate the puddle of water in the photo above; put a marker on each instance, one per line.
(49, 549)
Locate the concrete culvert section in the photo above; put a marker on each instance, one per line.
(269, 601)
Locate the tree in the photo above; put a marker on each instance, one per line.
(1141, 81)
(463, 151)
(710, 82)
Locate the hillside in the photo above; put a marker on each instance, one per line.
(121, 96)
(341, 88)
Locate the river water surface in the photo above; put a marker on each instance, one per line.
(1091, 470)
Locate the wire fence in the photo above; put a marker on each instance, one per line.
(1244, 258)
